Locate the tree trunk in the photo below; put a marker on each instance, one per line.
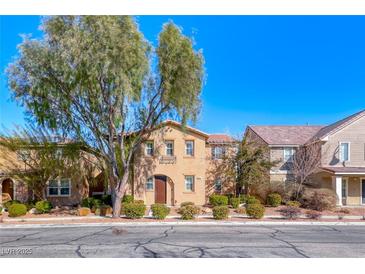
(119, 193)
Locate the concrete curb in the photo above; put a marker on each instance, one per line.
(184, 223)
(77, 218)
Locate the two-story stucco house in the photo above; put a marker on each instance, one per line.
(342, 154)
(177, 164)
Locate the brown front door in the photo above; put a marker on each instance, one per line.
(8, 187)
(160, 189)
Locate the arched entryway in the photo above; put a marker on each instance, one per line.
(7, 186)
(164, 190)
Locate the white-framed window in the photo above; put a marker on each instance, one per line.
(149, 148)
(189, 183)
(59, 187)
(288, 154)
(169, 148)
(218, 152)
(218, 185)
(344, 151)
(149, 184)
(189, 148)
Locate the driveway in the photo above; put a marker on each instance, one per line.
(184, 241)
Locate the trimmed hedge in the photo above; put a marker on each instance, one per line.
(160, 211)
(127, 199)
(188, 212)
(255, 211)
(16, 210)
(218, 200)
(234, 202)
(83, 211)
(273, 199)
(43, 206)
(220, 212)
(251, 200)
(293, 203)
(11, 202)
(134, 210)
(186, 204)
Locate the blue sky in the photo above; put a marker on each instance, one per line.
(260, 69)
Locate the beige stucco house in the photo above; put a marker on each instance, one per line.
(177, 164)
(342, 145)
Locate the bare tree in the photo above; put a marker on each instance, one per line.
(306, 161)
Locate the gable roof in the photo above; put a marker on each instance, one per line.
(220, 139)
(286, 135)
(191, 129)
(333, 128)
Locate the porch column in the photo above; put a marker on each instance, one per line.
(337, 185)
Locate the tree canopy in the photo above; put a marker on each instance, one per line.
(96, 79)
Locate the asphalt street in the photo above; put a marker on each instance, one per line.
(184, 241)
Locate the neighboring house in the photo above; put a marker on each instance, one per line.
(177, 164)
(342, 154)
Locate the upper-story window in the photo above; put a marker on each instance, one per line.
(169, 148)
(344, 152)
(218, 152)
(288, 154)
(189, 148)
(149, 148)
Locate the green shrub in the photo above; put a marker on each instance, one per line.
(1, 210)
(134, 210)
(11, 202)
(106, 199)
(91, 202)
(234, 202)
(160, 211)
(218, 200)
(273, 199)
(43, 206)
(186, 204)
(127, 199)
(220, 212)
(250, 200)
(255, 211)
(293, 203)
(16, 210)
(188, 212)
(243, 198)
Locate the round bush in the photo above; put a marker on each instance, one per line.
(11, 202)
(273, 199)
(127, 199)
(134, 210)
(43, 206)
(319, 199)
(220, 212)
(293, 203)
(250, 200)
(255, 211)
(160, 211)
(188, 212)
(16, 210)
(243, 198)
(218, 200)
(186, 204)
(234, 202)
(83, 211)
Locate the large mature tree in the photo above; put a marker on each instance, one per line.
(97, 80)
